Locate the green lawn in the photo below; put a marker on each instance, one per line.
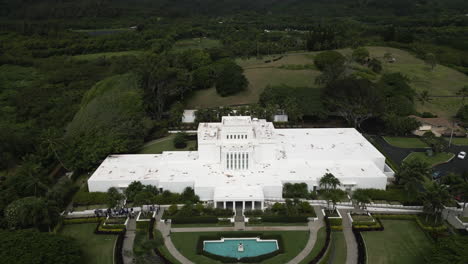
(459, 141)
(202, 225)
(338, 253)
(94, 56)
(321, 237)
(294, 242)
(163, 144)
(362, 218)
(405, 142)
(402, 242)
(97, 249)
(441, 81)
(196, 43)
(434, 160)
(89, 207)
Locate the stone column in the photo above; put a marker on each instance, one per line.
(215, 204)
(261, 204)
(243, 205)
(224, 204)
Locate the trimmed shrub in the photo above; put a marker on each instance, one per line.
(180, 140)
(118, 252)
(142, 225)
(335, 221)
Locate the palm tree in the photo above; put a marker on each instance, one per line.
(463, 92)
(434, 198)
(334, 196)
(424, 97)
(51, 143)
(412, 174)
(329, 181)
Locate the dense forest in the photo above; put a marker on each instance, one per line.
(59, 112)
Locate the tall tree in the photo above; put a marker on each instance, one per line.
(412, 174)
(434, 198)
(355, 99)
(424, 97)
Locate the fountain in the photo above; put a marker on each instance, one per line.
(240, 247)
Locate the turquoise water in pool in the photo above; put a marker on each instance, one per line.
(229, 248)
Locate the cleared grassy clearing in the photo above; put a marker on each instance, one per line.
(441, 81)
(321, 237)
(97, 249)
(401, 242)
(164, 144)
(196, 43)
(108, 55)
(433, 161)
(294, 242)
(259, 79)
(405, 142)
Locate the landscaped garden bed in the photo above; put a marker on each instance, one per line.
(116, 221)
(334, 217)
(293, 241)
(281, 214)
(145, 216)
(436, 159)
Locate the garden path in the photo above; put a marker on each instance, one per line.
(351, 245)
(313, 228)
(128, 242)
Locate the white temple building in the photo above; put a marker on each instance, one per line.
(246, 160)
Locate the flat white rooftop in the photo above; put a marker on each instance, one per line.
(243, 158)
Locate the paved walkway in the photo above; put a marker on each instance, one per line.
(127, 249)
(313, 229)
(247, 228)
(351, 245)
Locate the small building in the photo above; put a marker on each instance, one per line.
(439, 126)
(189, 116)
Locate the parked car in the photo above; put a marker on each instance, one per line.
(436, 175)
(462, 155)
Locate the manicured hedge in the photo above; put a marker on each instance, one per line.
(369, 226)
(82, 220)
(118, 253)
(284, 219)
(143, 225)
(412, 217)
(335, 221)
(362, 255)
(194, 220)
(107, 230)
(256, 259)
(391, 194)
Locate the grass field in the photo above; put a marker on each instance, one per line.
(196, 43)
(402, 242)
(338, 253)
(277, 224)
(94, 56)
(364, 218)
(163, 144)
(97, 249)
(439, 82)
(434, 160)
(459, 141)
(202, 225)
(321, 237)
(405, 142)
(294, 242)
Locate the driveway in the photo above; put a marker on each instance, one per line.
(399, 154)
